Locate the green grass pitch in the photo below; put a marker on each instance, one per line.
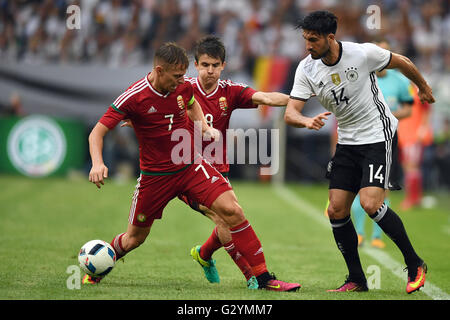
(44, 222)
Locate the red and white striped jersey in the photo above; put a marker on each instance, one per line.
(154, 116)
(217, 107)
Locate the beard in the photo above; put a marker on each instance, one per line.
(317, 56)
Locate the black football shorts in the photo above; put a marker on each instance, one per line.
(354, 167)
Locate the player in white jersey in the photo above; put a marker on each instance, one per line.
(342, 76)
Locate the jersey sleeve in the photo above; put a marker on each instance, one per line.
(377, 57)
(120, 109)
(242, 96)
(301, 89)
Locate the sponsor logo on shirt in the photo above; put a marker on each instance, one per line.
(152, 109)
(335, 78)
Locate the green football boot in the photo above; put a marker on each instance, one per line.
(209, 267)
(252, 283)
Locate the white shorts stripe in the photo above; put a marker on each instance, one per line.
(388, 145)
(134, 201)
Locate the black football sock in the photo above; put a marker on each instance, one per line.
(393, 226)
(347, 241)
(263, 279)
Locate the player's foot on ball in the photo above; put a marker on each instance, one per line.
(209, 266)
(416, 278)
(252, 283)
(351, 286)
(87, 279)
(274, 284)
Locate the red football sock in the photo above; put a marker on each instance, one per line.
(414, 186)
(239, 260)
(116, 243)
(248, 244)
(210, 246)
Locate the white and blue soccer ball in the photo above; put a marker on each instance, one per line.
(97, 258)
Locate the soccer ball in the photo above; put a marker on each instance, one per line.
(97, 258)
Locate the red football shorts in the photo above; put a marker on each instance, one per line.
(194, 204)
(200, 182)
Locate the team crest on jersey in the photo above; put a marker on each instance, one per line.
(141, 217)
(180, 102)
(351, 74)
(335, 78)
(223, 105)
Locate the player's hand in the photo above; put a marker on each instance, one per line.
(426, 95)
(317, 123)
(211, 134)
(126, 123)
(97, 174)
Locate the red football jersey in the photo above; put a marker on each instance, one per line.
(154, 116)
(217, 107)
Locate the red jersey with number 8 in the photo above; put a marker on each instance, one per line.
(155, 116)
(217, 107)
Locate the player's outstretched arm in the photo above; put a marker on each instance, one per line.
(275, 99)
(405, 66)
(403, 112)
(195, 113)
(98, 171)
(293, 116)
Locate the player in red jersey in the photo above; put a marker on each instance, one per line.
(157, 105)
(218, 99)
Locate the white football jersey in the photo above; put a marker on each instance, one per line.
(349, 89)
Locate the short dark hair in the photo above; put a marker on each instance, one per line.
(171, 54)
(322, 22)
(212, 46)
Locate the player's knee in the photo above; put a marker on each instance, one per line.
(331, 212)
(370, 205)
(221, 223)
(233, 209)
(214, 217)
(335, 211)
(232, 213)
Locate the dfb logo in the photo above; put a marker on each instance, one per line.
(74, 20)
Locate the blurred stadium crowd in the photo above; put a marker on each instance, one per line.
(124, 34)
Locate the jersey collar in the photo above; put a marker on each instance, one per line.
(154, 90)
(338, 59)
(203, 92)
